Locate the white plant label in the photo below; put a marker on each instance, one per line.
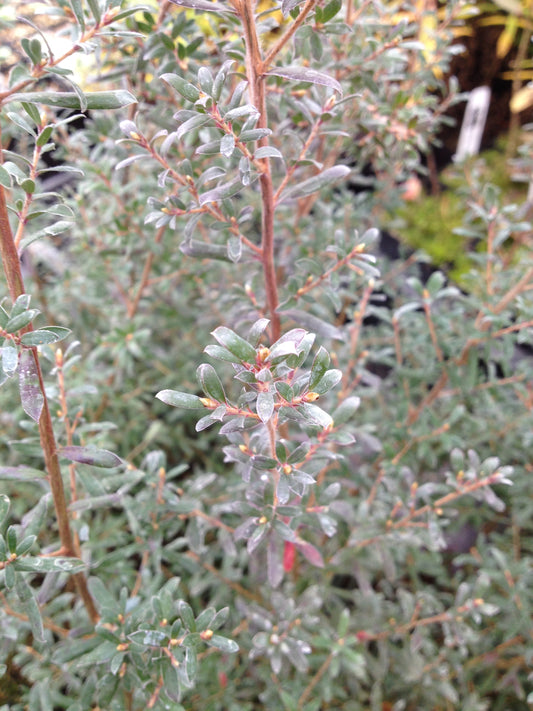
(473, 123)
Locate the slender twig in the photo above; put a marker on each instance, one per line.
(70, 428)
(408, 521)
(513, 292)
(303, 153)
(28, 197)
(49, 624)
(431, 326)
(256, 81)
(416, 440)
(289, 32)
(134, 304)
(237, 587)
(439, 618)
(399, 357)
(314, 681)
(15, 282)
(355, 332)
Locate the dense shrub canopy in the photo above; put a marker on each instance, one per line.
(249, 460)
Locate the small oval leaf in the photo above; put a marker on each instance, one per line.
(178, 399)
(90, 455)
(210, 382)
(307, 75)
(43, 336)
(235, 344)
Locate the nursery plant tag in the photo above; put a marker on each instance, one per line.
(473, 123)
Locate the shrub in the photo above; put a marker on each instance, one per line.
(322, 518)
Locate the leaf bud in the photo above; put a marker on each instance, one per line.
(208, 402)
(310, 396)
(262, 354)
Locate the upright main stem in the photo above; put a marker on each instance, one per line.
(256, 80)
(15, 284)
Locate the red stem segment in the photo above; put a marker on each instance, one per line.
(256, 80)
(15, 283)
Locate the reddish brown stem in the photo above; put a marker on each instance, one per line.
(254, 72)
(15, 283)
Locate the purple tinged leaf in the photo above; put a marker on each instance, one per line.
(31, 396)
(311, 553)
(308, 75)
(90, 455)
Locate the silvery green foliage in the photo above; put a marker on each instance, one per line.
(321, 519)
